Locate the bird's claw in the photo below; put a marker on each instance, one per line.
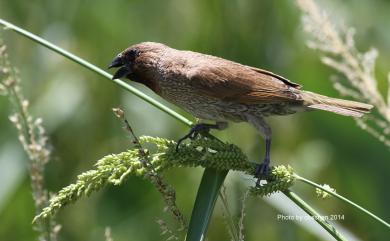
(262, 171)
(194, 132)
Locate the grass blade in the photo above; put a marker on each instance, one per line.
(208, 192)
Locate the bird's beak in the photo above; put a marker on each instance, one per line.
(123, 71)
(117, 62)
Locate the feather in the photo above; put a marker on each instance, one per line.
(338, 106)
(234, 82)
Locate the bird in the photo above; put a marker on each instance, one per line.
(219, 90)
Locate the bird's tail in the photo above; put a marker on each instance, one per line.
(338, 106)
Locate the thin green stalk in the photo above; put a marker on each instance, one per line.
(95, 69)
(343, 199)
(230, 221)
(317, 217)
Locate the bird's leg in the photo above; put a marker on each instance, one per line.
(199, 128)
(262, 169)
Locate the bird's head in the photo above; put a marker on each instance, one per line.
(133, 60)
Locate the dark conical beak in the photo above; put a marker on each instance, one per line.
(117, 62)
(123, 71)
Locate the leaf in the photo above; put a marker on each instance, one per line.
(208, 192)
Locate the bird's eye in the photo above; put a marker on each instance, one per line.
(132, 54)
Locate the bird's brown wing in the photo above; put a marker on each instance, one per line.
(286, 81)
(242, 84)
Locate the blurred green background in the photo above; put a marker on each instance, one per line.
(76, 107)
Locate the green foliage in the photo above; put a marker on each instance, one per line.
(115, 168)
(209, 152)
(204, 151)
(110, 169)
(280, 179)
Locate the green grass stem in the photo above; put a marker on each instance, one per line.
(354, 205)
(316, 216)
(95, 69)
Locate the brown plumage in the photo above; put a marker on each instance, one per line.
(217, 89)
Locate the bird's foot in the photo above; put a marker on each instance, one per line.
(195, 131)
(262, 171)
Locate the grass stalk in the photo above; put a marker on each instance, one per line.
(229, 219)
(95, 69)
(316, 216)
(349, 202)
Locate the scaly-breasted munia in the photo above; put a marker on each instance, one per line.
(220, 90)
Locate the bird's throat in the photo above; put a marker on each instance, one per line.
(147, 81)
